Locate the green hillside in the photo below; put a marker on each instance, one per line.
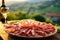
(51, 9)
(39, 7)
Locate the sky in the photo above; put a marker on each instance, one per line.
(12, 1)
(21, 0)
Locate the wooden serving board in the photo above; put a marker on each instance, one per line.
(6, 36)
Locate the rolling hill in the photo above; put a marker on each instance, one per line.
(40, 7)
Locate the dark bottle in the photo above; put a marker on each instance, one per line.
(3, 12)
(1, 38)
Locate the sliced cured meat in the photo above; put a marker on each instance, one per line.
(30, 28)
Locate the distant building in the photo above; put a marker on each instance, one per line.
(54, 16)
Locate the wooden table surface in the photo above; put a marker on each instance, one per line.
(5, 36)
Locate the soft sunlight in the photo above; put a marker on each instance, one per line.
(7, 1)
(17, 0)
(14, 0)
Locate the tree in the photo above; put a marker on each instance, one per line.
(39, 17)
(23, 16)
(11, 16)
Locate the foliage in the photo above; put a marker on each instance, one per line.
(17, 16)
(23, 16)
(48, 20)
(20, 15)
(39, 17)
(58, 21)
(11, 16)
(58, 30)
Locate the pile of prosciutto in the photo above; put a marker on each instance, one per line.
(30, 28)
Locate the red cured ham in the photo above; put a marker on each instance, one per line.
(31, 28)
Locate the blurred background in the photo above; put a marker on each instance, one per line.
(40, 10)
